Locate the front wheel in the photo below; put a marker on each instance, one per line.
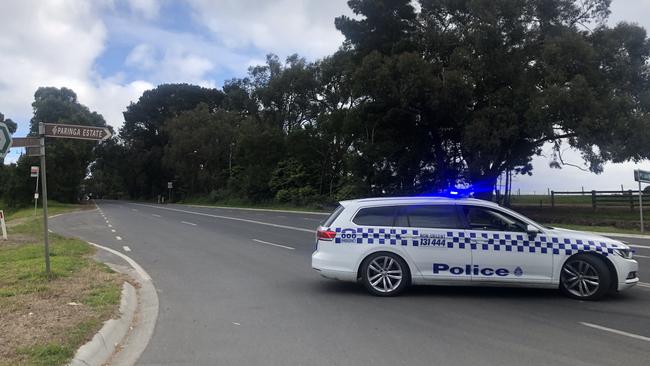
(385, 274)
(585, 277)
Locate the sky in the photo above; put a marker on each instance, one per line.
(110, 51)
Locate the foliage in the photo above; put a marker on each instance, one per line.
(67, 159)
(421, 96)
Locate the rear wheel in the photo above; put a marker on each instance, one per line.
(385, 274)
(585, 277)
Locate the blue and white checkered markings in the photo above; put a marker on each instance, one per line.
(483, 241)
(374, 236)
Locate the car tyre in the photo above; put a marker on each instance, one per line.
(385, 274)
(585, 277)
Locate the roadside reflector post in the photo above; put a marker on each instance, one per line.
(641, 176)
(4, 226)
(641, 206)
(41, 131)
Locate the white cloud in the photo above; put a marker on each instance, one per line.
(147, 8)
(283, 27)
(56, 43)
(142, 56)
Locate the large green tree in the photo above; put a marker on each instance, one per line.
(67, 159)
(486, 83)
(145, 137)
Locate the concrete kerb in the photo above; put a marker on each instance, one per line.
(100, 349)
(121, 341)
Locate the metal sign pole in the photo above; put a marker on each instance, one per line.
(641, 205)
(41, 128)
(35, 194)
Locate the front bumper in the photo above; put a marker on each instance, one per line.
(623, 269)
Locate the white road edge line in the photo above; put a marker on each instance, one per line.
(616, 331)
(638, 246)
(643, 284)
(275, 245)
(155, 215)
(230, 218)
(145, 276)
(188, 223)
(126, 248)
(641, 256)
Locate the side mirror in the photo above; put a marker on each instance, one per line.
(532, 230)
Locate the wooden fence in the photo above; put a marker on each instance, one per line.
(619, 199)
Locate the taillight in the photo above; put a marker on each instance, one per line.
(325, 234)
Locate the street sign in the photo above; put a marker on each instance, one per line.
(33, 151)
(642, 176)
(33, 172)
(5, 140)
(76, 132)
(170, 185)
(25, 141)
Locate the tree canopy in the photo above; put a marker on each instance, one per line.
(421, 96)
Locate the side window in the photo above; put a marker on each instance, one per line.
(375, 216)
(333, 216)
(432, 216)
(482, 218)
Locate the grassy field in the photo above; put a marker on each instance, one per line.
(43, 320)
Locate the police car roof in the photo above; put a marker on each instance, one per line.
(415, 200)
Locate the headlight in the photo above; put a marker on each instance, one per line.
(625, 253)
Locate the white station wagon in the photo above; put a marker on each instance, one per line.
(391, 243)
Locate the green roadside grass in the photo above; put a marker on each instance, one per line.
(45, 320)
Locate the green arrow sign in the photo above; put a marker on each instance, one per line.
(5, 140)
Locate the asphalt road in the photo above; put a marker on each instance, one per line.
(236, 288)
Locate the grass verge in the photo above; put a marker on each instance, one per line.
(44, 321)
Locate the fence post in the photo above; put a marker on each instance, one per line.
(631, 200)
(593, 199)
(552, 199)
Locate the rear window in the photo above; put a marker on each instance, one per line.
(333, 216)
(433, 216)
(376, 216)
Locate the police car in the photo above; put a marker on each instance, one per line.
(391, 243)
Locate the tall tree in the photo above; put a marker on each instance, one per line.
(489, 82)
(145, 137)
(67, 160)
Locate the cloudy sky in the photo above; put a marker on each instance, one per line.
(110, 51)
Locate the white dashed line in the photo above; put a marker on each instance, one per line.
(275, 245)
(118, 237)
(638, 246)
(113, 230)
(50, 231)
(232, 218)
(188, 223)
(308, 219)
(616, 331)
(126, 249)
(643, 284)
(109, 225)
(155, 215)
(641, 256)
(134, 209)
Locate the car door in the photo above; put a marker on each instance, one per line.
(437, 242)
(502, 250)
